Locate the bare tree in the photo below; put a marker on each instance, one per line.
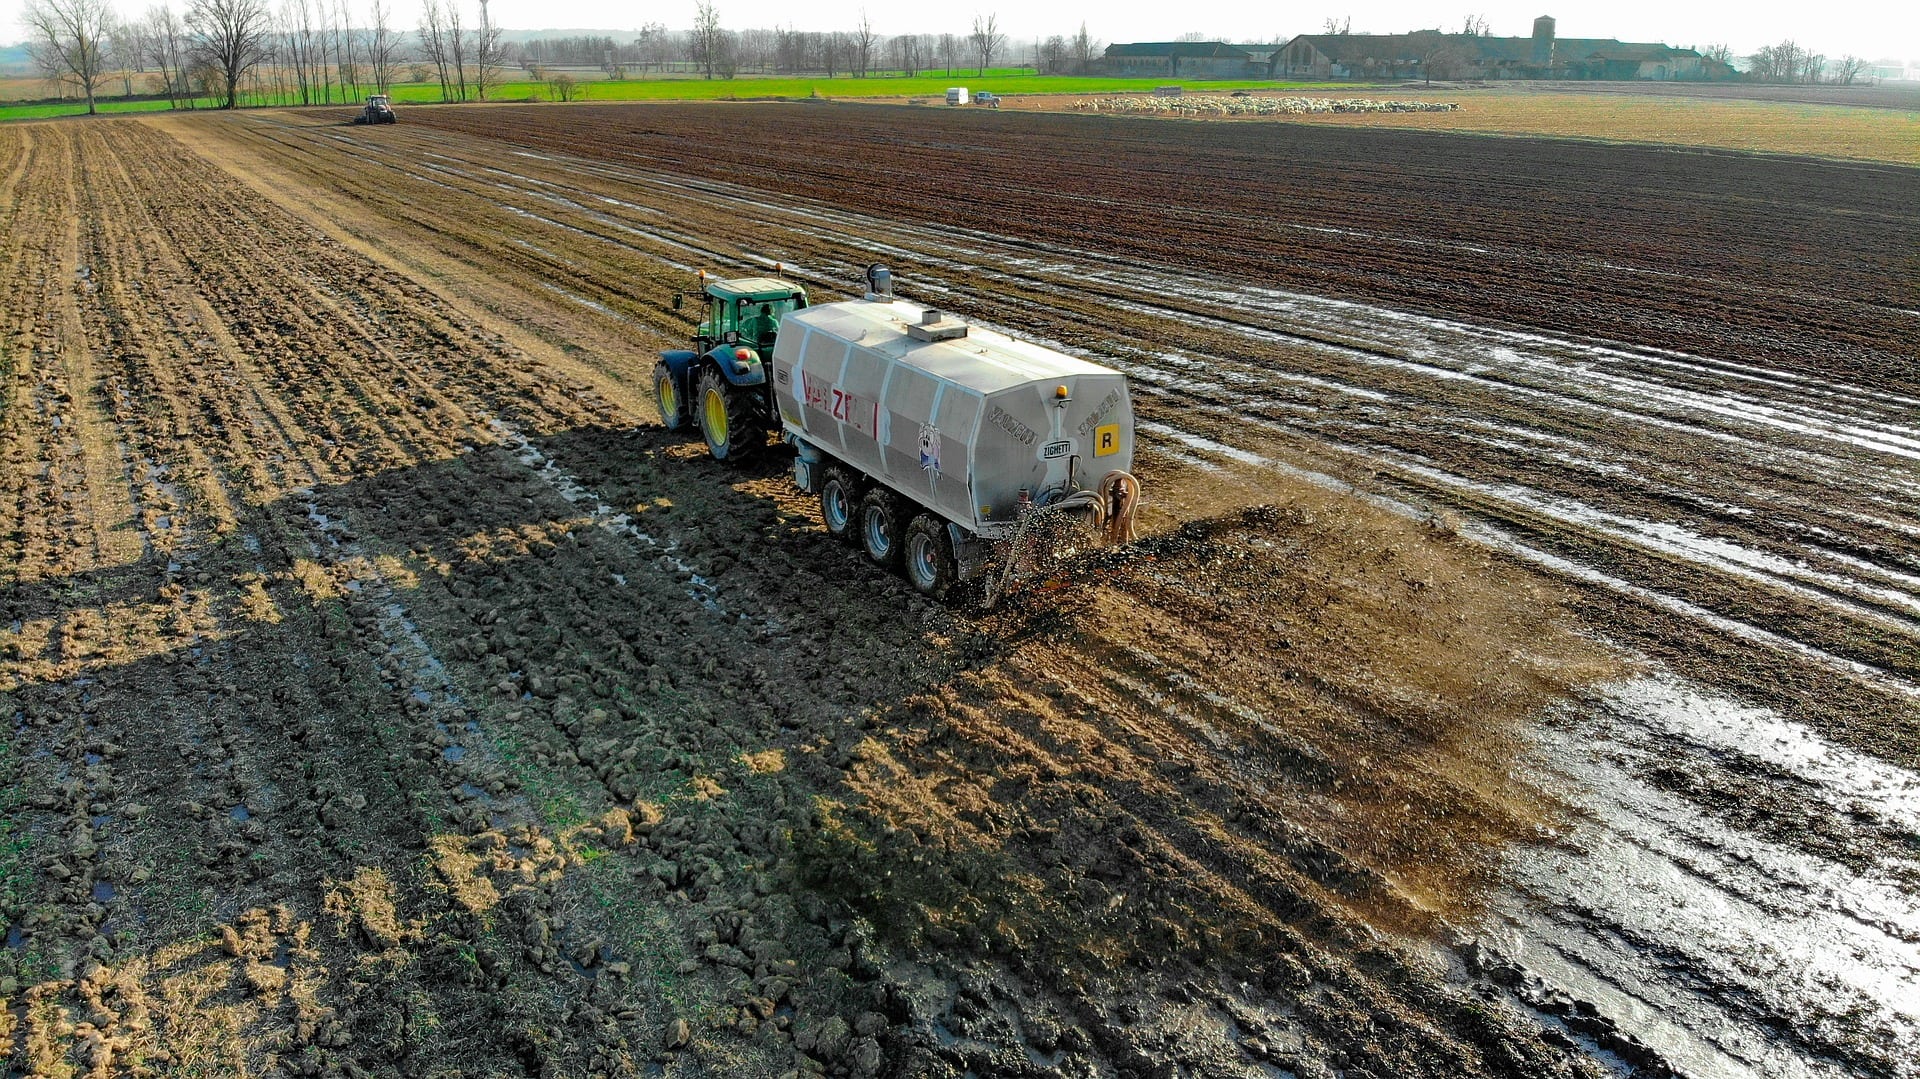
(1053, 55)
(1337, 25)
(560, 86)
(706, 36)
(1084, 48)
(655, 44)
(949, 51)
(433, 43)
(487, 53)
(1777, 63)
(69, 41)
(863, 41)
(461, 43)
(383, 47)
(904, 49)
(987, 39)
(166, 44)
(755, 49)
(837, 50)
(231, 37)
(1719, 54)
(127, 52)
(1439, 54)
(1849, 69)
(343, 52)
(1476, 26)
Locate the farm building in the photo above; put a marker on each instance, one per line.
(1184, 59)
(1436, 55)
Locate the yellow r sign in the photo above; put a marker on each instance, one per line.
(1106, 440)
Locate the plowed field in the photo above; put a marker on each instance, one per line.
(1518, 675)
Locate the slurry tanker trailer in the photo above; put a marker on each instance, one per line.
(941, 448)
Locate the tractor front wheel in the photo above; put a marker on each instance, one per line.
(726, 419)
(673, 411)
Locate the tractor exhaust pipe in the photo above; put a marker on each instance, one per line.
(879, 282)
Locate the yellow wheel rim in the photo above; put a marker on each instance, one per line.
(664, 391)
(717, 417)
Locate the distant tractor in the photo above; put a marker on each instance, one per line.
(942, 449)
(379, 110)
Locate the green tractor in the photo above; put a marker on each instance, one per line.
(721, 383)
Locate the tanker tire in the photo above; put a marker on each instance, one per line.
(928, 557)
(840, 504)
(726, 419)
(881, 534)
(673, 411)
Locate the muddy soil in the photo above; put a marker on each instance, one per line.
(389, 696)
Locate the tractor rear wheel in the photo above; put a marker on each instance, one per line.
(882, 530)
(840, 503)
(928, 556)
(726, 419)
(673, 411)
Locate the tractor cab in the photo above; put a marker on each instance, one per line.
(723, 380)
(745, 311)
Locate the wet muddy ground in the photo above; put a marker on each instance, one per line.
(1517, 677)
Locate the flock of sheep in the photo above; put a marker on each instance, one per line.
(1257, 106)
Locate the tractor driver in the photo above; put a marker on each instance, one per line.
(758, 327)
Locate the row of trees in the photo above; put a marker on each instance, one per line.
(1789, 62)
(721, 53)
(785, 50)
(310, 51)
(307, 51)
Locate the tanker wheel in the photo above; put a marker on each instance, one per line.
(881, 528)
(673, 411)
(726, 419)
(840, 503)
(928, 556)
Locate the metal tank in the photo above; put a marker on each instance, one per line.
(970, 424)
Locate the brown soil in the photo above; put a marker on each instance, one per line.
(389, 696)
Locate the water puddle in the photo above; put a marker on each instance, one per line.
(1729, 952)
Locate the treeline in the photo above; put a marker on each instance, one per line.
(321, 51)
(723, 53)
(304, 51)
(1789, 62)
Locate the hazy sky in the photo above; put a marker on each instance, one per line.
(1888, 29)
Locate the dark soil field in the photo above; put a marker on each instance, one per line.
(1518, 675)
